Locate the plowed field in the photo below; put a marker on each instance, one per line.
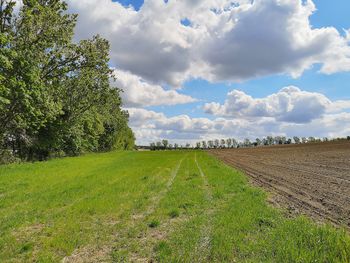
(313, 178)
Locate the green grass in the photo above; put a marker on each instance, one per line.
(165, 206)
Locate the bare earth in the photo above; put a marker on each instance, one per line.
(313, 178)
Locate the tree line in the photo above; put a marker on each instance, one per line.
(55, 94)
(233, 143)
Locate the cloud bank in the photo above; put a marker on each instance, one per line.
(151, 126)
(167, 43)
(290, 104)
(139, 93)
(221, 41)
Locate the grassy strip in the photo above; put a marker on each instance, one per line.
(49, 210)
(137, 206)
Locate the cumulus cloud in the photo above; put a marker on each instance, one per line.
(139, 93)
(290, 104)
(150, 126)
(331, 126)
(224, 41)
(273, 36)
(151, 43)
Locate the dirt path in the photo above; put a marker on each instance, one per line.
(308, 178)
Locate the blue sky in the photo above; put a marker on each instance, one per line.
(135, 3)
(331, 13)
(252, 69)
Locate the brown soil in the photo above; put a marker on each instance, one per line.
(313, 178)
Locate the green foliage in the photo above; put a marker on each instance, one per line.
(174, 213)
(154, 223)
(55, 95)
(7, 157)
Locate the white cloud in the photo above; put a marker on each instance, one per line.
(331, 126)
(290, 104)
(150, 126)
(339, 105)
(140, 93)
(225, 42)
(150, 43)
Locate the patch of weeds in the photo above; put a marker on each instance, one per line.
(119, 256)
(26, 247)
(91, 211)
(265, 222)
(139, 203)
(191, 176)
(154, 223)
(218, 195)
(145, 177)
(132, 233)
(162, 248)
(185, 205)
(242, 188)
(174, 213)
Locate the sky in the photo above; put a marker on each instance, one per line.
(196, 70)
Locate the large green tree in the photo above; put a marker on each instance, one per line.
(55, 94)
(6, 55)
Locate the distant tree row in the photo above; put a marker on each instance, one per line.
(55, 94)
(165, 145)
(233, 143)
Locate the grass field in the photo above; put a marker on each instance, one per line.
(140, 206)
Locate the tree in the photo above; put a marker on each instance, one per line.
(264, 141)
(229, 142)
(258, 141)
(55, 95)
(296, 139)
(312, 139)
(210, 144)
(283, 140)
(204, 145)
(216, 143)
(278, 140)
(234, 143)
(165, 143)
(6, 55)
(6, 63)
(222, 143)
(41, 37)
(198, 145)
(247, 142)
(270, 140)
